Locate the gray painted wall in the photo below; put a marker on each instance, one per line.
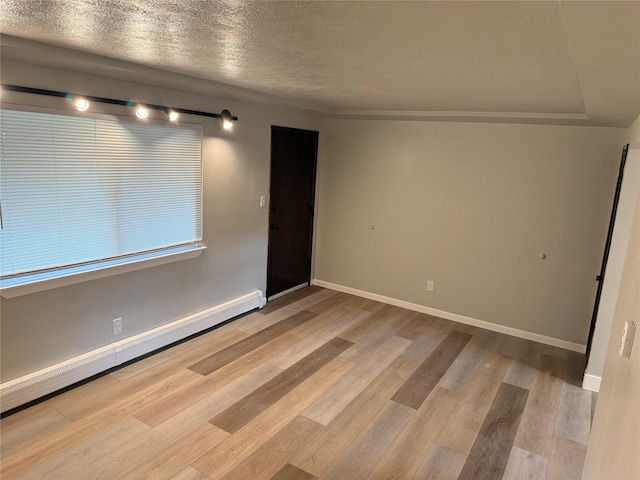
(42, 329)
(470, 206)
(467, 205)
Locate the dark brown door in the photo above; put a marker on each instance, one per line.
(293, 172)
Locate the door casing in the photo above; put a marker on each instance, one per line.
(291, 208)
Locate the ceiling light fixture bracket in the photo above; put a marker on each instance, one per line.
(224, 116)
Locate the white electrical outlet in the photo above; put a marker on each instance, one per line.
(263, 201)
(430, 285)
(117, 326)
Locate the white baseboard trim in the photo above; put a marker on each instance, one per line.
(536, 337)
(591, 383)
(37, 384)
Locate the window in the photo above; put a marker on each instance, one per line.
(82, 193)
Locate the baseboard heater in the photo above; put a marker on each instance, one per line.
(48, 380)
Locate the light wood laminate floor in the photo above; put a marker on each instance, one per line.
(318, 384)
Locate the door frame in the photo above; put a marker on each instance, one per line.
(316, 134)
(607, 248)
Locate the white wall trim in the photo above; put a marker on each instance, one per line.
(425, 115)
(536, 337)
(34, 385)
(591, 382)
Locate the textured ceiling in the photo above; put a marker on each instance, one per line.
(519, 59)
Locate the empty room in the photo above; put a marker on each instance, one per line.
(319, 239)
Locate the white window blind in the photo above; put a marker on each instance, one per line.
(77, 190)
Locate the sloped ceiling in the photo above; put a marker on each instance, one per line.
(564, 61)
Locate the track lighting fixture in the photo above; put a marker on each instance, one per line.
(142, 112)
(82, 103)
(226, 119)
(172, 114)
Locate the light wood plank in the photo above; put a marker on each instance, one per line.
(175, 459)
(38, 427)
(425, 344)
(70, 435)
(289, 472)
(74, 460)
(440, 327)
(537, 425)
(369, 323)
(416, 327)
(464, 367)
(422, 347)
(376, 337)
(267, 460)
(80, 393)
(339, 299)
(225, 457)
(259, 321)
(184, 421)
(463, 327)
(524, 465)
(320, 453)
(441, 464)
(363, 303)
(243, 411)
(524, 366)
(329, 318)
(190, 474)
(132, 386)
(161, 410)
(573, 420)
(289, 299)
(369, 447)
(184, 353)
(208, 365)
(329, 405)
(566, 460)
(219, 399)
(130, 454)
(460, 432)
(330, 327)
(404, 457)
(506, 345)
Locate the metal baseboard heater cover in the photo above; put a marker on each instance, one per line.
(48, 380)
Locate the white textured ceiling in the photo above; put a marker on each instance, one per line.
(572, 60)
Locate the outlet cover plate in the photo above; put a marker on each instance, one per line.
(117, 326)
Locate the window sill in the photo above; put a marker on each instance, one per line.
(31, 284)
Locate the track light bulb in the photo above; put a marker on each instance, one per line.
(81, 104)
(226, 119)
(142, 112)
(173, 115)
